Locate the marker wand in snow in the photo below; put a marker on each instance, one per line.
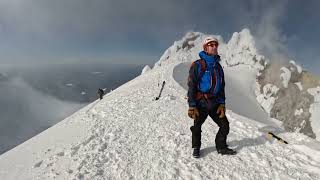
(164, 82)
(271, 135)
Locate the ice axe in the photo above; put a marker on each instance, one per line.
(271, 135)
(163, 83)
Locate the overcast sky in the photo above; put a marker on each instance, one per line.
(133, 32)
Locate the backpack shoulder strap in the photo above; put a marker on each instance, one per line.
(202, 68)
(203, 65)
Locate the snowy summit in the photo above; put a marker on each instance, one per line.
(130, 135)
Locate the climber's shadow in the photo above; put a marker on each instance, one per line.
(205, 151)
(246, 142)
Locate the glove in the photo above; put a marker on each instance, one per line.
(193, 112)
(221, 110)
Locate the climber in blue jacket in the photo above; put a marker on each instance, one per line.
(206, 96)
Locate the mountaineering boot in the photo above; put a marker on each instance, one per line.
(196, 152)
(226, 151)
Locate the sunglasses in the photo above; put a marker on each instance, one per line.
(213, 44)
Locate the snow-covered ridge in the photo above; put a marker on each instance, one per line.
(145, 69)
(240, 49)
(274, 86)
(129, 135)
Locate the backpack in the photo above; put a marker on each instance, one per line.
(205, 77)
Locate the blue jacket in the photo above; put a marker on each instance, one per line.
(206, 88)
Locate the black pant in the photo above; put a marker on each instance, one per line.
(223, 123)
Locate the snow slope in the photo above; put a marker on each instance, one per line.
(129, 135)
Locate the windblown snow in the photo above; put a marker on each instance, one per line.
(129, 135)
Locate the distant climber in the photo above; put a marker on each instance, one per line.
(100, 93)
(206, 96)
